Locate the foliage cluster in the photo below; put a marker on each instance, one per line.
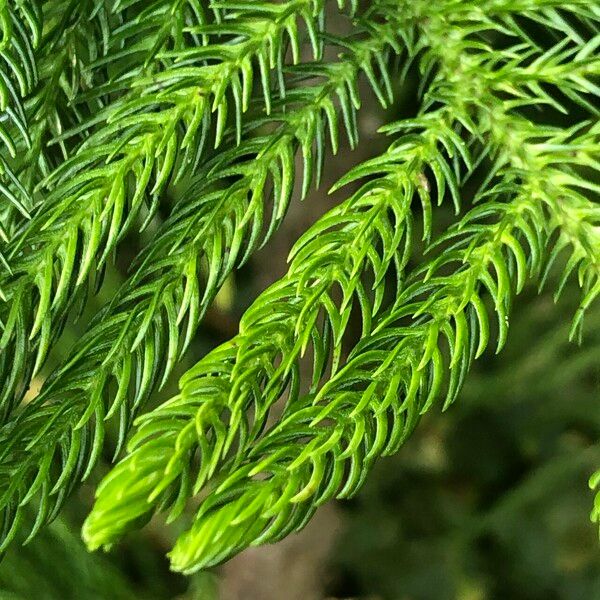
(112, 108)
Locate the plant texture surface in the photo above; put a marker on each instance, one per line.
(174, 137)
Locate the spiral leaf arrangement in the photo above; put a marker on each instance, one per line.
(217, 106)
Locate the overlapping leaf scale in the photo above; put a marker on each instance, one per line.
(95, 196)
(133, 344)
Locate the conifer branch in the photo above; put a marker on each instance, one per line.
(215, 227)
(105, 106)
(595, 485)
(66, 49)
(161, 471)
(96, 195)
(20, 33)
(327, 443)
(423, 347)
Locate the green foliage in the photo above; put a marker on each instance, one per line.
(161, 125)
(126, 341)
(50, 49)
(485, 500)
(20, 29)
(137, 126)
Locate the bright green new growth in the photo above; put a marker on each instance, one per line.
(170, 290)
(398, 370)
(156, 83)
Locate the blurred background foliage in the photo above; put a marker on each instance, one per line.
(488, 501)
